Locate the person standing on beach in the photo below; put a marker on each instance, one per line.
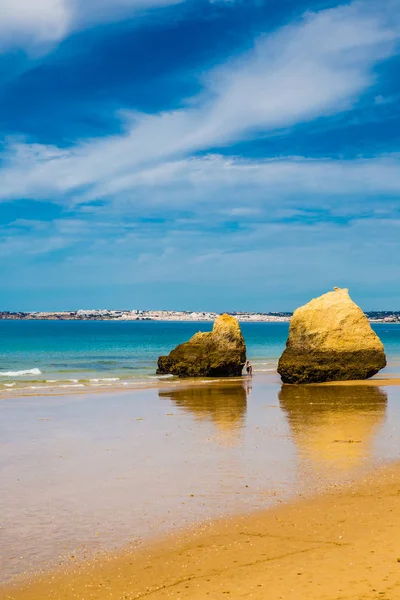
(249, 368)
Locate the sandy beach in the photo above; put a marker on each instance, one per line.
(313, 456)
(338, 545)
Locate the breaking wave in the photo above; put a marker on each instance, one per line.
(20, 373)
(105, 379)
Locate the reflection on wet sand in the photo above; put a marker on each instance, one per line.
(334, 427)
(224, 404)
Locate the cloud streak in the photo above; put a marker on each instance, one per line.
(315, 68)
(39, 24)
(26, 23)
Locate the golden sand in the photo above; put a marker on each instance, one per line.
(375, 381)
(342, 545)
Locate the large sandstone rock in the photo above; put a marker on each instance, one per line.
(218, 353)
(330, 339)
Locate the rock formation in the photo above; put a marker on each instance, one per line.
(330, 339)
(218, 353)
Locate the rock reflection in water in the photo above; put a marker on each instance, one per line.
(334, 426)
(224, 404)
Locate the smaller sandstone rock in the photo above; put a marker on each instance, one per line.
(218, 353)
(330, 339)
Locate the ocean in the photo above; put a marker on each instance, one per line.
(36, 356)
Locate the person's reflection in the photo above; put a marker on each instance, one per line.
(225, 404)
(334, 426)
(248, 386)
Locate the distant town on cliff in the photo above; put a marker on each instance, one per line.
(172, 315)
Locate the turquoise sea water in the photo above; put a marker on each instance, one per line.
(35, 355)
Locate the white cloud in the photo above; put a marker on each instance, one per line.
(318, 67)
(38, 24)
(196, 182)
(217, 183)
(306, 70)
(26, 22)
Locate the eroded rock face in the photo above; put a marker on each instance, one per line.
(330, 339)
(218, 353)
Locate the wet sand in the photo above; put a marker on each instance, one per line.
(90, 474)
(374, 381)
(341, 545)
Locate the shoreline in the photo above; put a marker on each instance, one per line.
(108, 360)
(180, 383)
(340, 544)
(162, 384)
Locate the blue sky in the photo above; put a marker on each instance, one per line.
(197, 154)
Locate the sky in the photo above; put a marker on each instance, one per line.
(198, 154)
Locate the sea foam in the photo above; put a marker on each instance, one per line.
(105, 379)
(20, 373)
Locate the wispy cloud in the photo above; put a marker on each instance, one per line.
(198, 182)
(317, 67)
(37, 24)
(268, 266)
(26, 23)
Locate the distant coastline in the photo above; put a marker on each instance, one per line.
(141, 315)
(171, 315)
